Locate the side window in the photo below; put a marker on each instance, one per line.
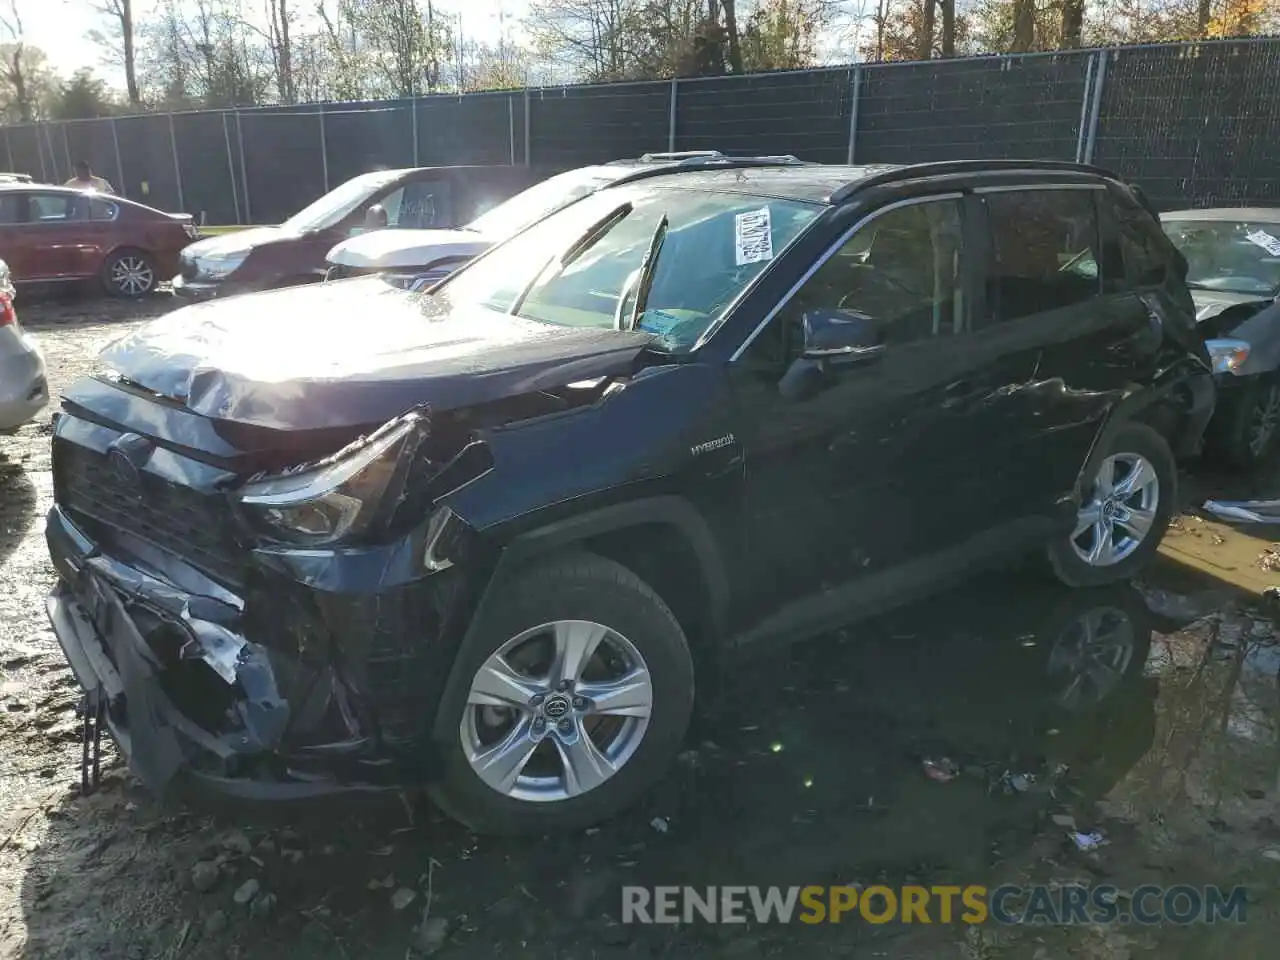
(902, 270)
(1044, 251)
(1146, 251)
(100, 209)
(55, 208)
(12, 208)
(423, 204)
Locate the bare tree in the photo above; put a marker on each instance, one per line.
(16, 74)
(120, 42)
(279, 18)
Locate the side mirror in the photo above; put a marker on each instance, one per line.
(832, 339)
(841, 336)
(375, 218)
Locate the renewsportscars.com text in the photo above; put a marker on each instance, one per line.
(971, 904)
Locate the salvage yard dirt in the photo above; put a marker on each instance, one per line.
(908, 750)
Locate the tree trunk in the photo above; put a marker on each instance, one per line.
(1072, 23)
(288, 92)
(731, 29)
(948, 27)
(130, 60)
(924, 48)
(1024, 25)
(1204, 13)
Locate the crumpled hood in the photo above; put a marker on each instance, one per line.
(384, 249)
(354, 353)
(1210, 303)
(239, 240)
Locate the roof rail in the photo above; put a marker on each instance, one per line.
(682, 155)
(911, 171)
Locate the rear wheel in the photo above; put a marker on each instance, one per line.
(129, 273)
(1125, 509)
(571, 702)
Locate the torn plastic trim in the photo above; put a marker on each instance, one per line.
(1247, 511)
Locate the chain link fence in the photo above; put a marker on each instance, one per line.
(1195, 124)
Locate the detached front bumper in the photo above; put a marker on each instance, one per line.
(185, 691)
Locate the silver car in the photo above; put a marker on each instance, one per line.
(24, 391)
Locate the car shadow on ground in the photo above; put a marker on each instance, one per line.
(936, 745)
(59, 308)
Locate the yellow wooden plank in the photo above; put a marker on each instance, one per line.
(1230, 554)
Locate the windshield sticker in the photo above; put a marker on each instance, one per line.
(659, 322)
(753, 236)
(1264, 240)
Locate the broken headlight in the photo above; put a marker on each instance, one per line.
(1228, 355)
(338, 498)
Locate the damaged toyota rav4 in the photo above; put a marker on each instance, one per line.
(347, 537)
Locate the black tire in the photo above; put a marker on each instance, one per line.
(576, 586)
(124, 271)
(1234, 436)
(1130, 439)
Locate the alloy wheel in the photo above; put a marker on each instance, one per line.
(556, 711)
(1091, 656)
(1120, 511)
(1264, 418)
(132, 276)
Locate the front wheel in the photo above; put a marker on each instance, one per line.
(1125, 509)
(569, 702)
(1245, 430)
(129, 273)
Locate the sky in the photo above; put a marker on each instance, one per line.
(59, 27)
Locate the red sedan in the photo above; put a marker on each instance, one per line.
(59, 234)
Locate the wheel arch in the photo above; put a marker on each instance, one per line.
(637, 534)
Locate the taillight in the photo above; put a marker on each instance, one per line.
(190, 230)
(8, 315)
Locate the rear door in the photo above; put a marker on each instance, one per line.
(54, 236)
(1077, 336)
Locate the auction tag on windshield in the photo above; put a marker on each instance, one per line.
(1264, 240)
(753, 236)
(659, 322)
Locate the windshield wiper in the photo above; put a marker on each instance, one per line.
(595, 233)
(648, 267)
(589, 239)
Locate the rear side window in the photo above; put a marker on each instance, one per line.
(1044, 251)
(11, 208)
(100, 209)
(420, 205)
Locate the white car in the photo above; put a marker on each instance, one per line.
(416, 259)
(24, 391)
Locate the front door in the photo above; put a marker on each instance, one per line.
(883, 464)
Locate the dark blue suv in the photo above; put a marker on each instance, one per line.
(350, 537)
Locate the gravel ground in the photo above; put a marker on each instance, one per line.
(804, 767)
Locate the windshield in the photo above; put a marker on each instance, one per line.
(535, 203)
(1233, 256)
(337, 204)
(581, 267)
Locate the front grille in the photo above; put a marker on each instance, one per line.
(192, 525)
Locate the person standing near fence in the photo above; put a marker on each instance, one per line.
(85, 180)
